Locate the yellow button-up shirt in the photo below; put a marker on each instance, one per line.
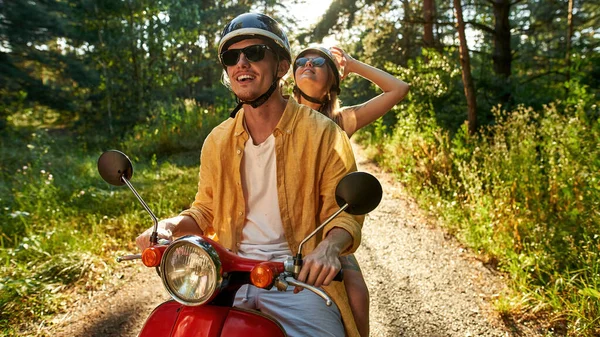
(312, 155)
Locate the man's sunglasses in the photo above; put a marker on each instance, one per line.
(316, 61)
(253, 53)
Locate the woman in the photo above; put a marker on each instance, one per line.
(317, 76)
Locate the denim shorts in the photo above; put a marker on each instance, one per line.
(302, 314)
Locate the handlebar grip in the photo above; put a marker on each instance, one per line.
(340, 276)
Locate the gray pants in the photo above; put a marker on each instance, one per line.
(303, 314)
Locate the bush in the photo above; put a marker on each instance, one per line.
(524, 192)
(62, 225)
(174, 129)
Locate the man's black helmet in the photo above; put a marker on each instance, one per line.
(255, 25)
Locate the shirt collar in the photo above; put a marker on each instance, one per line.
(285, 123)
(290, 113)
(239, 123)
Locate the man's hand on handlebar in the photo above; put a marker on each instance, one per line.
(322, 265)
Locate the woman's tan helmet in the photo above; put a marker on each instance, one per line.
(329, 58)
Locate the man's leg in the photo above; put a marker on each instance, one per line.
(303, 314)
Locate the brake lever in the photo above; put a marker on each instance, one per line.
(129, 257)
(139, 256)
(292, 281)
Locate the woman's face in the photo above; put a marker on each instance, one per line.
(312, 79)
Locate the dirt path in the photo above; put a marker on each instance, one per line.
(422, 282)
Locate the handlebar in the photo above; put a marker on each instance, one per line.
(292, 281)
(129, 257)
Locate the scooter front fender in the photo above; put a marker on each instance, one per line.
(175, 320)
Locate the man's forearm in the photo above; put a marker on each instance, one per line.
(184, 225)
(338, 239)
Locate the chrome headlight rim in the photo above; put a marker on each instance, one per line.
(214, 259)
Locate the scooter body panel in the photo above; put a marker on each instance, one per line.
(175, 320)
(243, 323)
(162, 320)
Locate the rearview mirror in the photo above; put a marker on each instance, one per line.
(114, 165)
(360, 190)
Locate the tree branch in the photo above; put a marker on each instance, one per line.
(482, 27)
(533, 78)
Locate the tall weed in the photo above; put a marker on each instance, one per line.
(62, 226)
(174, 129)
(525, 193)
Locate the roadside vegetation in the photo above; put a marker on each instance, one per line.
(63, 225)
(524, 192)
(510, 166)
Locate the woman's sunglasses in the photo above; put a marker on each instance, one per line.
(253, 53)
(316, 61)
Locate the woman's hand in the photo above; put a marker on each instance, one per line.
(344, 60)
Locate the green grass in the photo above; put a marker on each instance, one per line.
(525, 194)
(62, 225)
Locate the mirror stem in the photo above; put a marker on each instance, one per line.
(154, 237)
(298, 258)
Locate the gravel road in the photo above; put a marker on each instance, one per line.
(421, 282)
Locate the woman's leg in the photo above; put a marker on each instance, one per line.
(358, 293)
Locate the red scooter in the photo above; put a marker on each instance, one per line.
(203, 277)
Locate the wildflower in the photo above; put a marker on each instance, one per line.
(19, 213)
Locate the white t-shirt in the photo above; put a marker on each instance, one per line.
(262, 236)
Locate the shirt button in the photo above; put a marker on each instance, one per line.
(238, 244)
(240, 213)
(239, 151)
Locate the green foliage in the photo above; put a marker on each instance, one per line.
(525, 193)
(431, 101)
(174, 129)
(108, 64)
(62, 225)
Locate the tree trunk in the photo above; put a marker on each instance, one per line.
(465, 63)
(408, 33)
(428, 9)
(502, 53)
(106, 76)
(569, 37)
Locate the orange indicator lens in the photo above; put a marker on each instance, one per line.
(151, 257)
(262, 275)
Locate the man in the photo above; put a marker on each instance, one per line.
(267, 180)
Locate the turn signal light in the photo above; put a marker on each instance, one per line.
(262, 275)
(151, 256)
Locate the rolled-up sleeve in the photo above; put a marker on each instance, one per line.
(202, 207)
(340, 162)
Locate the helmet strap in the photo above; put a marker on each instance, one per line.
(313, 99)
(257, 102)
(262, 98)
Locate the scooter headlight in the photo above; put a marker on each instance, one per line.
(191, 270)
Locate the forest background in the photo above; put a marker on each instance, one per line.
(499, 141)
